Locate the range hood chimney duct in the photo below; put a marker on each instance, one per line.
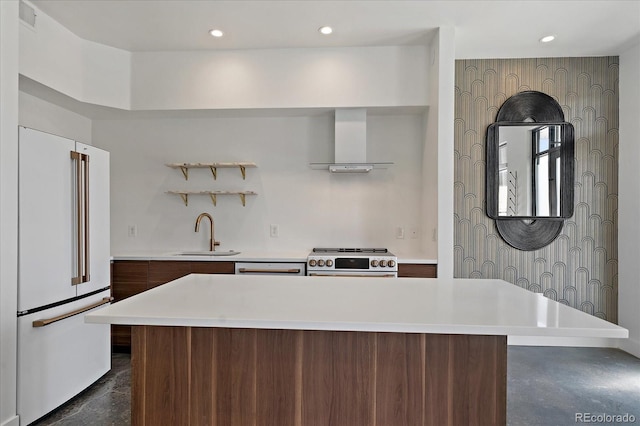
(350, 149)
(351, 135)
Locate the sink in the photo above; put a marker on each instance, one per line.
(207, 253)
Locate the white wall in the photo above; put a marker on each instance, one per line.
(84, 70)
(38, 114)
(261, 78)
(311, 207)
(8, 209)
(440, 127)
(629, 200)
(280, 78)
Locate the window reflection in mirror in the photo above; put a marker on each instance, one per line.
(530, 170)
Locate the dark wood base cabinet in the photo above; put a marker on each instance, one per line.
(240, 377)
(417, 270)
(130, 277)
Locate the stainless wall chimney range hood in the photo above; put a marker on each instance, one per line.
(350, 144)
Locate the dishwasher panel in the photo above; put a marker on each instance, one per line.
(271, 268)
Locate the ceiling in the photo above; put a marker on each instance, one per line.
(483, 29)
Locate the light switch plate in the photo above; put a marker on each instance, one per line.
(132, 231)
(274, 231)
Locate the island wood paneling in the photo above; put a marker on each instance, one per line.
(277, 375)
(161, 377)
(234, 375)
(338, 378)
(310, 378)
(466, 380)
(202, 403)
(400, 367)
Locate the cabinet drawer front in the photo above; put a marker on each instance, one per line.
(417, 270)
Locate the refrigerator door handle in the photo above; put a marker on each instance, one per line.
(44, 322)
(82, 218)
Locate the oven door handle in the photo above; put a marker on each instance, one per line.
(311, 274)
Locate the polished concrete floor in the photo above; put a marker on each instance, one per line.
(547, 386)
(106, 403)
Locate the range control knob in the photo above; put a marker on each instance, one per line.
(383, 263)
(391, 263)
(374, 263)
(312, 262)
(321, 262)
(329, 262)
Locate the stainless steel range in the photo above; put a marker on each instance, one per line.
(352, 262)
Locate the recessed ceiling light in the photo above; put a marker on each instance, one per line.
(547, 39)
(325, 30)
(216, 33)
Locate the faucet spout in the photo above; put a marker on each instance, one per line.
(212, 242)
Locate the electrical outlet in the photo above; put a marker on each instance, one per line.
(274, 231)
(399, 232)
(132, 231)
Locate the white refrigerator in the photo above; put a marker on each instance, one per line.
(64, 270)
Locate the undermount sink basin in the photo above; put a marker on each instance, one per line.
(208, 253)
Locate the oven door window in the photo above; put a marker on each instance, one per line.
(352, 263)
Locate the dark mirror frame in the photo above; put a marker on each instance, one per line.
(529, 108)
(567, 166)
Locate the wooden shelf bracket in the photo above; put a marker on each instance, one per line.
(185, 172)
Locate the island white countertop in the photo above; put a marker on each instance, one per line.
(411, 305)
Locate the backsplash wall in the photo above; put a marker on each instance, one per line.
(311, 207)
(580, 268)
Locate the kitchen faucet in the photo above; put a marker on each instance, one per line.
(212, 242)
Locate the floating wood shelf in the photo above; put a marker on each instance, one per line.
(212, 194)
(184, 167)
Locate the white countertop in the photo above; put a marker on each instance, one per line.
(413, 305)
(252, 256)
(243, 256)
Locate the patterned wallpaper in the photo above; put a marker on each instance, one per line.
(580, 268)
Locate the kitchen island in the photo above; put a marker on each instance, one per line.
(256, 350)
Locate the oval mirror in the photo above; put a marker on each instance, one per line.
(530, 170)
